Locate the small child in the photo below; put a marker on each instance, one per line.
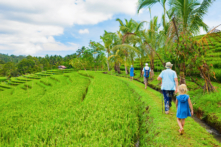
(183, 105)
(131, 73)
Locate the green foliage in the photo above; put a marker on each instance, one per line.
(89, 59)
(210, 104)
(12, 58)
(27, 66)
(9, 69)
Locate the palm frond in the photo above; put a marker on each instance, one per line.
(120, 21)
(139, 26)
(146, 3)
(125, 46)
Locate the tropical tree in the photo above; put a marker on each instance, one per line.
(129, 33)
(150, 3)
(108, 39)
(151, 41)
(189, 14)
(188, 20)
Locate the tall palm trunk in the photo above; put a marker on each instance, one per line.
(116, 67)
(125, 64)
(152, 68)
(108, 61)
(141, 69)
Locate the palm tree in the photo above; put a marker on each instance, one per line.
(150, 3)
(189, 19)
(108, 38)
(190, 14)
(151, 41)
(130, 31)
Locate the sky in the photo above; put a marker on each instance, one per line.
(60, 27)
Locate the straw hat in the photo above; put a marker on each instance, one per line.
(169, 65)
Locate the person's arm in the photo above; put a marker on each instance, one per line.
(159, 78)
(176, 103)
(191, 106)
(176, 82)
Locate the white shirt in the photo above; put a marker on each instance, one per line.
(146, 68)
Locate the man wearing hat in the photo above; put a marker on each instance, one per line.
(146, 74)
(169, 85)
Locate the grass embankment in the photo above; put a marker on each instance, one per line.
(159, 129)
(40, 115)
(207, 106)
(51, 112)
(110, 113)
(2, 79)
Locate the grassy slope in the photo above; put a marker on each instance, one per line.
(110, 113)
(209, 103)
(51, 112)
(163, 129)
(35, 116)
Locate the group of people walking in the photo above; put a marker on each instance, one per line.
(169, 87)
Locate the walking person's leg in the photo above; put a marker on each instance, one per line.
(180, 125)
(166, 101)
(171, 92)
(145, 82)
(183, 122)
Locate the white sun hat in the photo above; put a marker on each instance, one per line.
(169, 65)
(146, 64)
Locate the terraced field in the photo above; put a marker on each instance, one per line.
(89, 109)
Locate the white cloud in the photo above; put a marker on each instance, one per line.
(29, 27)
(85, 31)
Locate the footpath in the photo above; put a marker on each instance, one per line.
(160, 129)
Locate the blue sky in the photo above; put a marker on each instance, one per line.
(40, 27)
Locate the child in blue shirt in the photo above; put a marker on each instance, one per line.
(183, 105)
(131, 72)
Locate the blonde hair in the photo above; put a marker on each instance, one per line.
(182, 89)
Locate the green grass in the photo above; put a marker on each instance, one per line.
(112, 110)
(199, 97)
(2, 79)
(56, 114)
(57, 111)
(38, 116)
(209, 103)
(158, 129)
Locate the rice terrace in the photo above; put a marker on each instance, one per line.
(120, 73)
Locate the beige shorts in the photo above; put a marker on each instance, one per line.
(146, 80)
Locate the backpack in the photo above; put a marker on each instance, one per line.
(146, 72)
